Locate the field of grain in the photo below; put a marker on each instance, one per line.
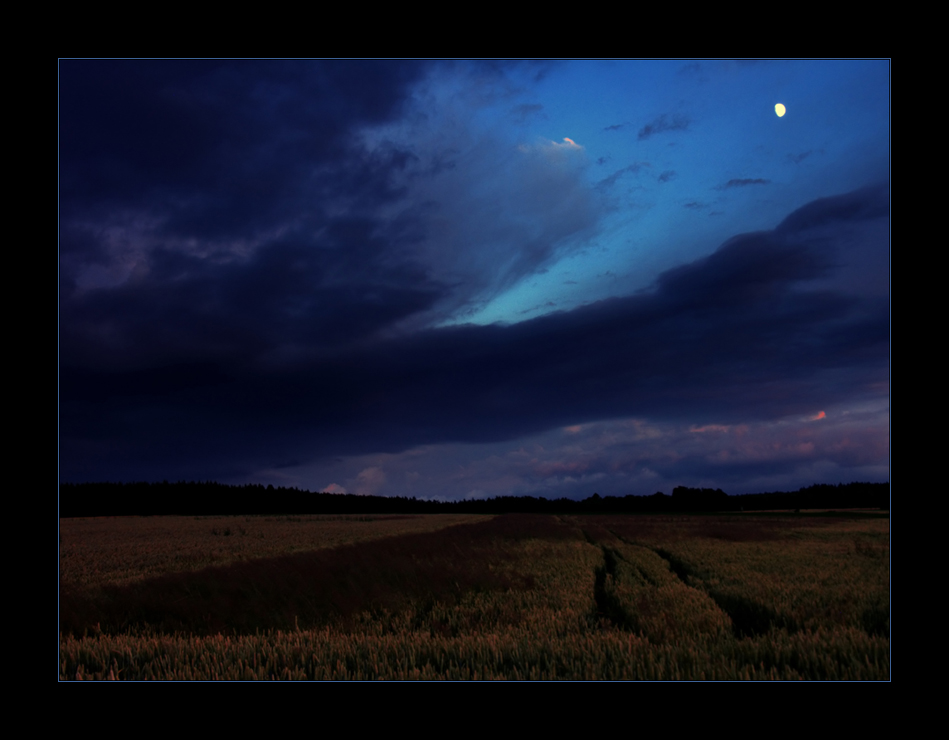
(513, 597)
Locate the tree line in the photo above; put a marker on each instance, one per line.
(210, 498)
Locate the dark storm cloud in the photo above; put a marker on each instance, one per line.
(212, 206)
(247, 364)
(162, 135)
(662, 124)
(289, 295)
(191, 189)
(865, 204)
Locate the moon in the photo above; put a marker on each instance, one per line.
(780, 109)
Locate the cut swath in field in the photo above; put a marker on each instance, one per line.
(304, 589)
(101, 551)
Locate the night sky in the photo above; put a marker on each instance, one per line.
(457, 280)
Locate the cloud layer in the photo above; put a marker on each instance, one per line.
(737, 336)
(268, 266)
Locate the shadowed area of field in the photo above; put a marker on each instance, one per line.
(311, 588)
(99, 551)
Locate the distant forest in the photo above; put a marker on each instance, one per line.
(208, 499)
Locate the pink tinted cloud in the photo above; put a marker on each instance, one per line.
(709, 428)
(369, 481)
